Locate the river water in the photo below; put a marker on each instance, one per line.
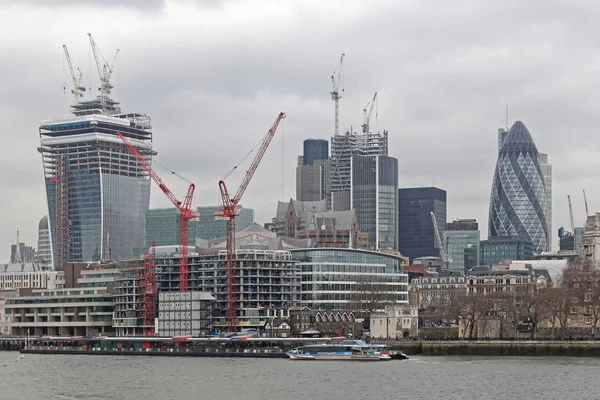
(41, 377)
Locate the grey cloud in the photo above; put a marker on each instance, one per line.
(444, 74)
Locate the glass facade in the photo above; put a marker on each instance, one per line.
(315, 149)
(374, 196)
(210, 228)
(416, 236)
(463, 250)
(497, 249)
(518, 199)
(330, 277)
(162, 226)
(105, 192)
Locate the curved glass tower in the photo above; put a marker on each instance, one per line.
(517, 202)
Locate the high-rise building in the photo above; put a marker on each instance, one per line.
(26, 254)
(315, 149)
(343, 147)
(312, 172)
(570, 241)
(208, 227)
(518, 201)
(44, 248)
(374, 196)
(547, 174)
(162, 227)
(416, 236)
(505, 248)
(97, 192)
(462, 238)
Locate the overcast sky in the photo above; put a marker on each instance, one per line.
(213, 74)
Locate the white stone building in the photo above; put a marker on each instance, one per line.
(397, 321)
(29, 275)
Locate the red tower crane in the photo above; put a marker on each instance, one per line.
(185, 211)
(229, 212)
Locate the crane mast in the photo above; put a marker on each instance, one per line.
(184, 207)
(335, 94)
(78, 88)
(587, 213)
(438, 237)
(367, 115)
(105, 69)
(229, 212)
(571, 215)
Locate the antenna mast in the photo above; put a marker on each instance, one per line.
(18, 250)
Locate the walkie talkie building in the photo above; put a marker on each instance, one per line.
(97, 192)
(518, 200)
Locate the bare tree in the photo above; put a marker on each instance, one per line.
(473, 310)
(584, 279)
(372, 293)
(559, 300)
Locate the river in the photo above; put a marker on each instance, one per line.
(50, 377)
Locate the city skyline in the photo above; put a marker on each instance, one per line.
(441, 103)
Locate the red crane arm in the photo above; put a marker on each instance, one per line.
(261, 152)
(142, 161)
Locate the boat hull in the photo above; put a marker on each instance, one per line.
(340, 357)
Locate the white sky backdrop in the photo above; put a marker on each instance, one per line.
(214, 74)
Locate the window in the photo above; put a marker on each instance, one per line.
(587, 297)
(574, 300)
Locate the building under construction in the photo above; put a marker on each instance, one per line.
(97, 192)
(343, 147)
(267, 284)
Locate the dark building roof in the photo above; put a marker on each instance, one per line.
(421, 193)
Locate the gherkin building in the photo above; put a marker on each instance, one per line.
(518, 191)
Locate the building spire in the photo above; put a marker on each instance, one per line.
(18, 250)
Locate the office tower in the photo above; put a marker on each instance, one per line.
(208, 227)
(547, 174)
(374, 196)
(569, 241)
(312, 172)
(415, 227)
(44, 251)
(343, 147)
(26, 254)
(96, 190)
(505, 248)
(462, 238)
(518, 198)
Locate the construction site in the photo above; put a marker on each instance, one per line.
(99, 169)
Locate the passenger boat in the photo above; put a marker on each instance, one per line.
(353, 350)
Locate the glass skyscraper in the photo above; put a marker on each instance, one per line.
(461, 238)
(518, 201)
(374, 197)
(312, 172)
(97, 192)
(416, 237)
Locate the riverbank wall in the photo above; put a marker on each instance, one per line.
(499, 348)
